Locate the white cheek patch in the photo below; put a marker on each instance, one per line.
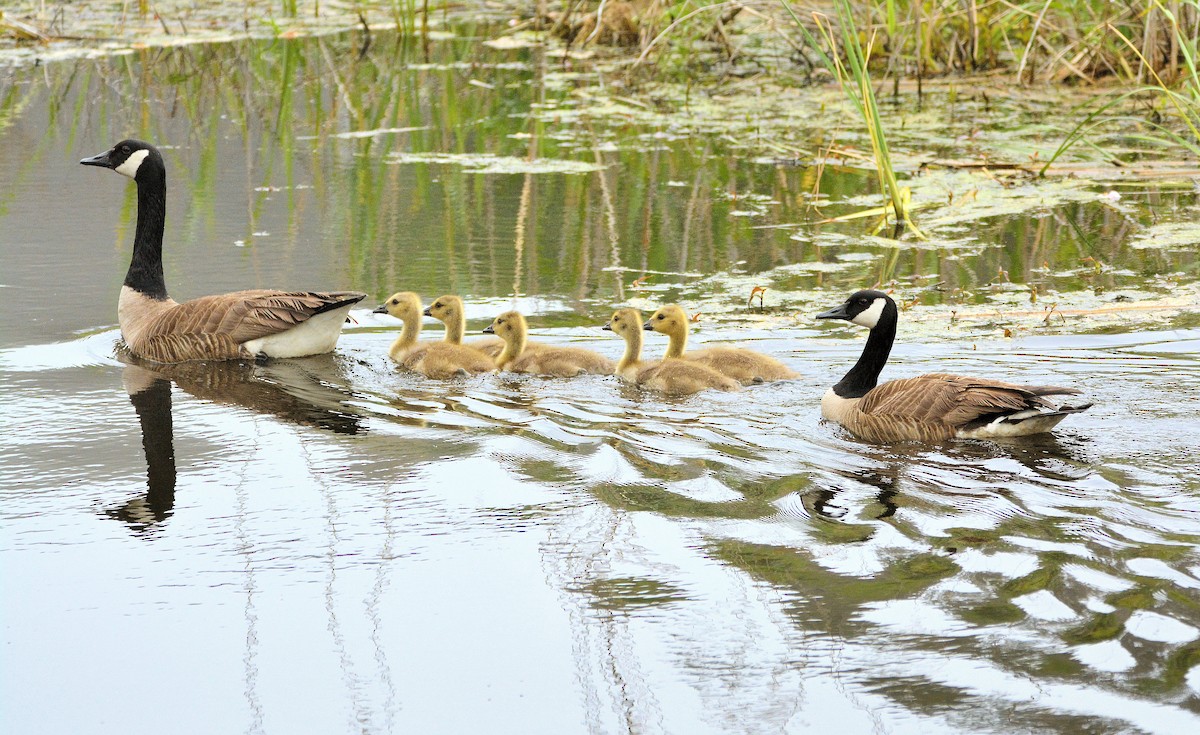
(132, 164)
(870, 317)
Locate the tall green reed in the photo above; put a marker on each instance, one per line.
(854, 77)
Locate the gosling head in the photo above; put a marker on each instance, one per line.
(865, 308)
(404, 305)
(133, 158)
(624, 321)
(508, 325)
(446, 308)
(670, 319)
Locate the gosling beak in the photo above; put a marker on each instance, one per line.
(101, 159)
(607, 327)
(426, 312)
(838, 312)
(648, 326)
(486, 330)
(381, 309)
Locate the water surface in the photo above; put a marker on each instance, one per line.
(328, 545)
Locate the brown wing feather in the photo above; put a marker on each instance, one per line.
(245, 315)
(953, 400)
(171, 348)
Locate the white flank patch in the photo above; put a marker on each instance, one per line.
(870, 317)
(133, 163)
(313, 337)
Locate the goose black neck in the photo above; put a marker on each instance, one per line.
(145, 273)
(865, 373)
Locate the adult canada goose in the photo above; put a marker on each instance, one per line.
(932, 407)
(744, 366)
(243, 324)
(437, 360)
(449, 310)
(560, 362)
(678, 377)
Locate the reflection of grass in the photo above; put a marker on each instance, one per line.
(631, 593)
(792, 568)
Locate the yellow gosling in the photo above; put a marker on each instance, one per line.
(745, 366)
(437, 360)
(673, 376)
(449, 310)
(560, 362)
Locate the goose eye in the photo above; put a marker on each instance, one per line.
(125, 149)
(395, 301)
(437, 305)
(661, 317)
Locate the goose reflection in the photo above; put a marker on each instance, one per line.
(975, 464)
(298, 391)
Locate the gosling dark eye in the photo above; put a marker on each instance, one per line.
(438, 305)
(661, 317)
(395, 301)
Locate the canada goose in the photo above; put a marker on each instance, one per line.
(449, 310)
(744, 366)
(243, 324)
(438, 360)
(672, 375)
(932, 407)
(561, 362)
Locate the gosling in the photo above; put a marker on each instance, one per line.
(449, 310)
(437, 360)
(745, 366)
(671, 376)
(559, 362)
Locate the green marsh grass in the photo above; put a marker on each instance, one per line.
(854, 78)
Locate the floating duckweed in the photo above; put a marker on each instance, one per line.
(486, 163)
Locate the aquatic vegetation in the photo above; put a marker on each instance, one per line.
(854, 77)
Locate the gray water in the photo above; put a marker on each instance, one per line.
(329, 545)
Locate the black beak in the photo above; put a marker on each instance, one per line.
(101, 159)
(838, 312)
(381, 309)
(607, 327)
(488, 330)
(426, 312)
(648, 326)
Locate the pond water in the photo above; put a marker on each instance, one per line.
(329, 545)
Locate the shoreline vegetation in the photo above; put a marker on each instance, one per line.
(1071, 42)
(877, 76)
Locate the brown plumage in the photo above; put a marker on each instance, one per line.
(561, 362)
(671, 375)
(244, 324)
(932, 407)
(228, 326)
(745, 366)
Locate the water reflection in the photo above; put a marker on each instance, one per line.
(150, 395)
(297, 391)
